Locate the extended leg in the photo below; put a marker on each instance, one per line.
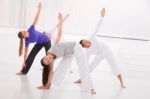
(93, 64)
(61, 70)
(113, 65)
(30, 58)
(87, 83)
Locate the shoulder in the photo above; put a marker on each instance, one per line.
(78, 46)
(31, 27)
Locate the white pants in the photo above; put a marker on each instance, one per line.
(64, 65)
(104, 53)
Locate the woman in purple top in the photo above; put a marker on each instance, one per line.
(32, 36)
(41, 40)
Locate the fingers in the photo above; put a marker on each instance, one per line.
(103, 9)
(40, 5)
(60, 17)
(66, 16)
(103, 12)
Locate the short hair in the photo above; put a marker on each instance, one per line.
(81, 43)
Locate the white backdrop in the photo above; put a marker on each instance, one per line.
(124, 18)
(11, 13)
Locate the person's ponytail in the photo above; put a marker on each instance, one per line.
(21, 47)
(20, 44)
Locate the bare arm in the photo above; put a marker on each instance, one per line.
(57, 25)
(25, 56)
(59, 34)
(64, 19)
(37, 14)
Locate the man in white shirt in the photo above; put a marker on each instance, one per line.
(101, 51)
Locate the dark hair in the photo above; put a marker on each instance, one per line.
(81, 43)
(47, 69)
(21, 43)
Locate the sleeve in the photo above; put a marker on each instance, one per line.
(31, 28)
(52, 49)
(78, 50)
(87, 53)
(26, 44)
(98, 25)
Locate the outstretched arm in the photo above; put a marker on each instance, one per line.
(37, 14)
(102, 14)
(25, 56)
(52, 31)
(64, 19)
(59, 34)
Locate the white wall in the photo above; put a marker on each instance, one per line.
(11, 12)
(127, 18)
(124, 18)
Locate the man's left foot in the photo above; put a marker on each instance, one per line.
(42, 87)
(78, 81)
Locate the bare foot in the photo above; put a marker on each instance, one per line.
(93, 91)
(43, 87)
(20, 73)
(123, 86)
(78, 81)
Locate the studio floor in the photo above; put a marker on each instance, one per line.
(133, 59)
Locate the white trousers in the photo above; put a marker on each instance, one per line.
(105, 53)
(64, 65)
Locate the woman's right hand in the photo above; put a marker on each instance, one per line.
(103, 12)
(39, 5)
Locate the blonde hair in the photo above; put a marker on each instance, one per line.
(20, 51)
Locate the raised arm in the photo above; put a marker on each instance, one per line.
(64, 19)
(59, 34)
(37, 14)
(56, 26)
(98, 25)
